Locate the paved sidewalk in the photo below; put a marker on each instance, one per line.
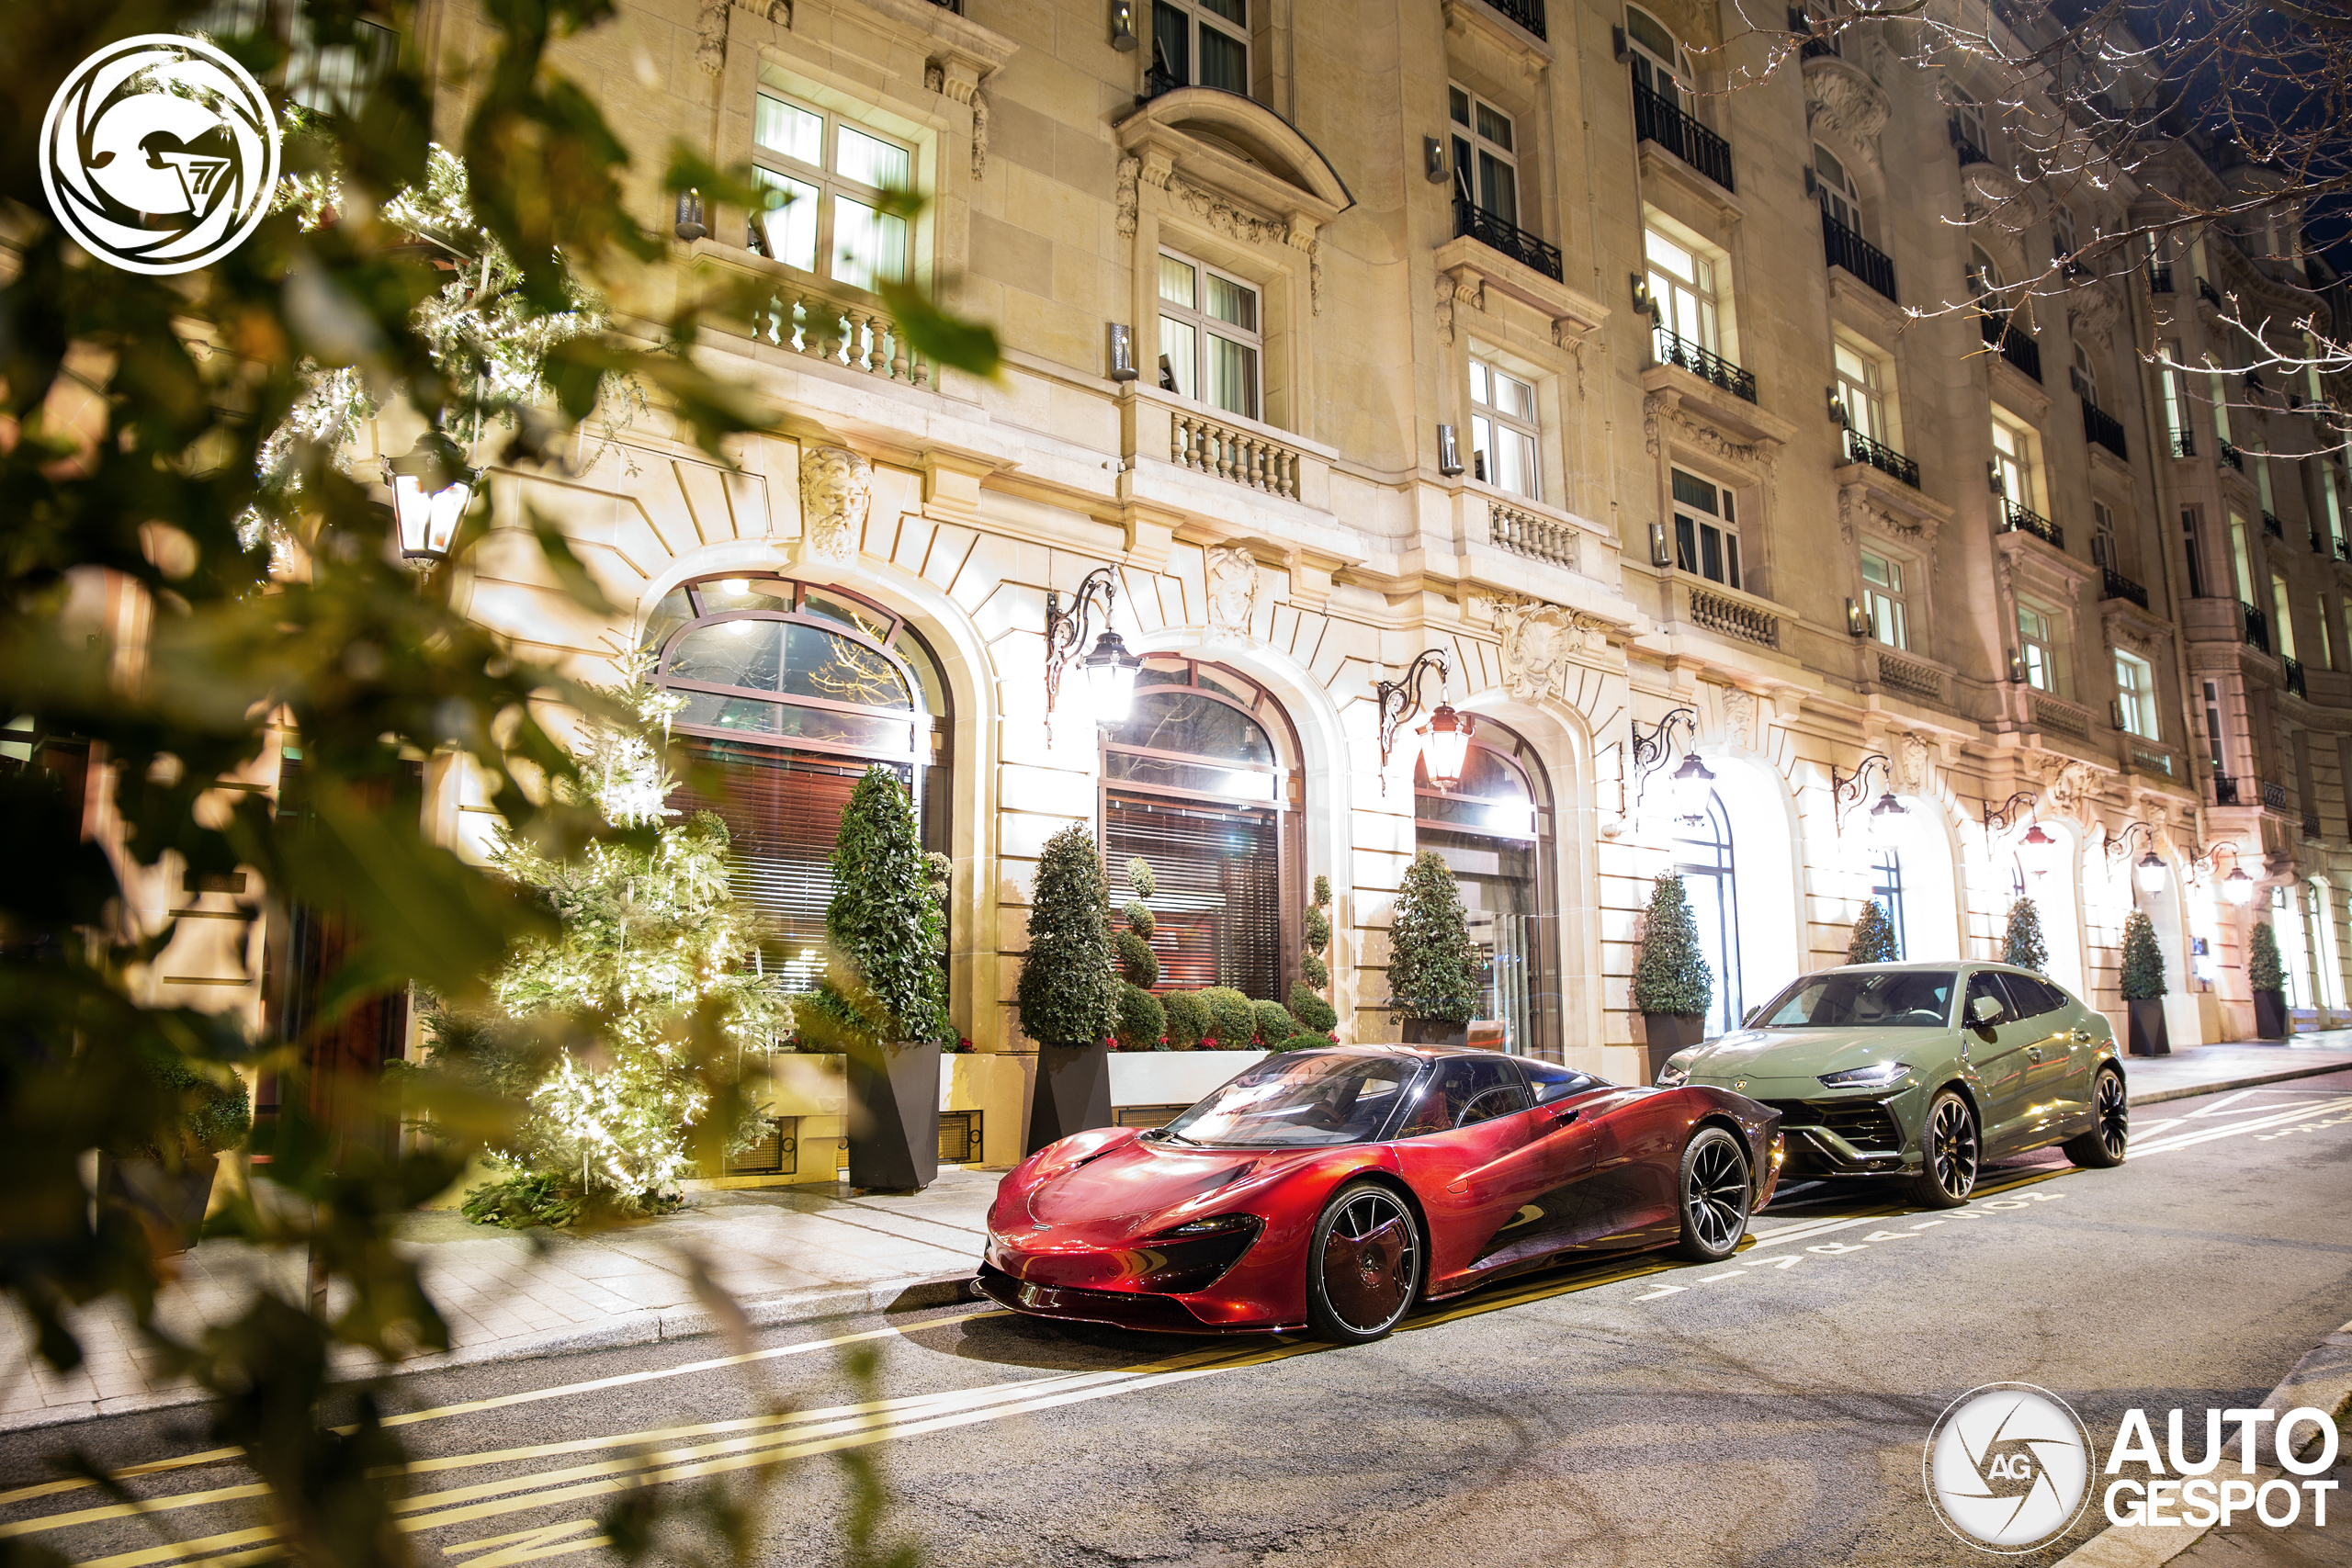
(787, 1254)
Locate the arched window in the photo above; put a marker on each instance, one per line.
(1495, 830)
(1886, 891)
(790, 691)
(1202, 783)
(1703, 857)
(1659, 65)
(1839, 196)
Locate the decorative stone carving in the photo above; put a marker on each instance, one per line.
(710, 28)
(1739, 719)
(934, 77)
(979, 133)
(2072, 791)
(1130, 169)
(1232, 574)
(836, 491)
(1661, 409)
(1235, 221)
(1909, 755)
(2096, 310)
(1538, 643)
(1844, 99)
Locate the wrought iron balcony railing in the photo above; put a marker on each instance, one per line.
(1474, 221)
(2273, 527)
(2210, 294)
(2184, 444)
(2311, 824)
(2274, 796)
(2255, 626)
(2018, 348)
(1848, 249)
(2025, 520)
(2103, 429)
(1969, 152)
(2115, 585)
(1668, 347)
(2294, 668)
(2160, 278)
(1659, 119)
(2225, 790)
(2344, 549)
(1528, 14)
(1861, 448)
(2230, 456)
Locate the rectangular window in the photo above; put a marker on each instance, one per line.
(2013, 464)
(1886, 890)
(2038, 646)
(2329, 498)
(1883, 597)
(2221, 401)
(2178, 424)
(2213, 730)
(1486, 154)
(2285, 629)
(1201, 43)
(2326, 641)
(2197, 589)
(1210, 339)
(2262, 481)
(1706, 539)
(1503, 431)
(2085, 375)
(2103, 536)
(1858, 393)
(1682, 289)
(2135, 695)
(2241, 559)
(824, 180)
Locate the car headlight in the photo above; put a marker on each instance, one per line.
(1878, 1075)
(1217, 1225)
(1676, 1073)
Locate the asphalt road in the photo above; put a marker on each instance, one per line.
(1770, 1410)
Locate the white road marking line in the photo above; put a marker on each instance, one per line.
(1661, 1292)
(2221, 1106)
(1791, 1261)
(2233, 1129)
(1732, 1274)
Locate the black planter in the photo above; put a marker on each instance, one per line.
(893, 1117)
(2270, 1015)
(1667, 1033)
(169, 1201)
(2146, 1034)
(1435, 1031)
(1073, 1093)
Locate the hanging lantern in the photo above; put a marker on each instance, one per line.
(1886, 819)
(2038, 851)
(1111, 677)
(1690, 789)
(1446, 745)
(2238, 887)
(2151, 874)
(431, 489)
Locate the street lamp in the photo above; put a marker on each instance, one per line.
(2038, 851)
(1111, 677)
(1446, 745)
(1446, 736)
(2238, 887)
(1886, 819)
(1110, 668)
(2151, 874)
(1689, 789)
(431, 488)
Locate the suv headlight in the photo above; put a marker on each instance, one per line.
(1879, 1075)
(1676, 1073)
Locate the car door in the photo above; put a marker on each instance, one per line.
(1471, 1151)
(1997, 1054)
(2053, 1057)
(1563, 1151)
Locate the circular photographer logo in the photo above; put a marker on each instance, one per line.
(159, 154)
(2008, 1467)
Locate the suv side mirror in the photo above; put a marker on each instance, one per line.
(1984, 1011)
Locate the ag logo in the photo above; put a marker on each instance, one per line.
(159, 154)
(2008, 1467)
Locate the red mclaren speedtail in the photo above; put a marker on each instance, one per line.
(1333, 1190)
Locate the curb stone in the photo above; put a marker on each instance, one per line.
(2322, 1379)
(2190, 1092)
(913, 1293)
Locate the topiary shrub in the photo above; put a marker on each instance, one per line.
(1319, 930)
(212, 1113)
(1314, 972)
(1138, 962)
(2262, 968)
(1873, 939)
(1068, 995)
(1188, 1018)
(1138, 916)
(1672, 976)
(1304, 1043)
(1312, 1012)
(2021, 943)
(2144, 961)
(884, 922)
(1143, 1022)
(1232, 1019)
(1273, 1021)
(1432, 968)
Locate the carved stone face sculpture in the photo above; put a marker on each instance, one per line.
(1233, 590)
(1739, 719)
(836, 489)
(1536, 642)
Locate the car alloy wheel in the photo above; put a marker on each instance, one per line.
(1715, 1195)
(1948, 1157)
(1365, 1265)
(2110, 1138)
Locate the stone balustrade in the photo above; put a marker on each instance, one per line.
(1230, 452)
(1525, 533)
(859, 335)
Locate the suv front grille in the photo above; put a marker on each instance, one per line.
(1865, 1123)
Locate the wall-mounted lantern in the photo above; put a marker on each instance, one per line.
(431, 488)
(1110, 668)
(1123, 25)
(690, 226)
(1446, 738)
(1123, 352)
(1448, 451)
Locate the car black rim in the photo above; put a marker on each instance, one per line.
(1371, 1261)
(2114, 1116)
(1952, 1149)
(1718, 1197)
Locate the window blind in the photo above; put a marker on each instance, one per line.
(1217, 913)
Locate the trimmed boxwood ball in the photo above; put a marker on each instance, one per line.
(1232, 1020)
(1139, 919)
(1142, 1020)
(1273, 1021)
(2143, 960)
(1188, 1018)
(1315, 972)
(2263, 971)
(2021, 943)
(1319, 930)
(1312, 1012)
(1137, 961)
(1068, 994)
(1304, 1043)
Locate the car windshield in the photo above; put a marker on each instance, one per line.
(1874, 999)
(1302, 1099)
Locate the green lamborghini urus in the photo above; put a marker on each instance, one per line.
(1923, 1071)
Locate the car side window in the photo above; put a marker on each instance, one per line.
(1551, 1082)
(2051, 998)
(1467, 1091)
